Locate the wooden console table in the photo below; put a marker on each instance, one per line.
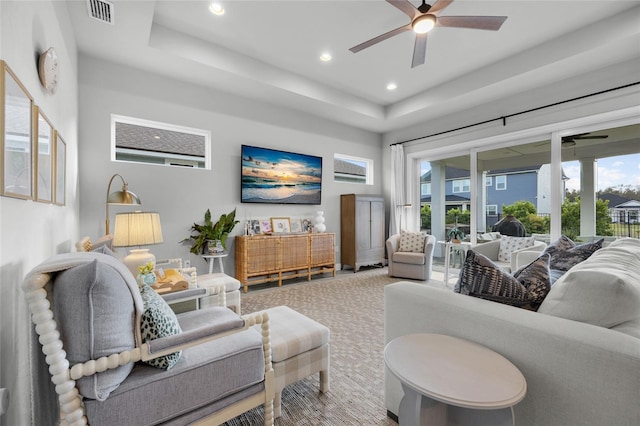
(267, 258)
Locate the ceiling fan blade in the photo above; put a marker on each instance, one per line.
(492, 23)
(407, 8)
(439, 6)
(419, 50)
(382, 37)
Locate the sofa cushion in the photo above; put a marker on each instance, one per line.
(158, 320)
(412, 242)
(95, 312)
(565, 253)
(526, 288)
(603, 290)
(510, 244)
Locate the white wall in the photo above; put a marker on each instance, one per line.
(30, 232)
(181, 196)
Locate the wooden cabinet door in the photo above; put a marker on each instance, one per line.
(295, 252)
(363, 224)
(377, 225)
(322, 249)
(263, 255)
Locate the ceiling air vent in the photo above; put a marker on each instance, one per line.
(101, 10)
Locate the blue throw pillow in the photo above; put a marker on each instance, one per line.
(158, 320)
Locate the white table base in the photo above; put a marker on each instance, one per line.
(420, 410)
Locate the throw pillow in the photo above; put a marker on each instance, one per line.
(527, 288)
(603, 291)
(412, 242)
(565, 253)
(158, 320)
(93, 307)
(510, 244)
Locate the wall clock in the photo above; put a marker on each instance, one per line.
(48, 70)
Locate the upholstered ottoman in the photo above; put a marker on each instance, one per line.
(232, 290)
(299, 348)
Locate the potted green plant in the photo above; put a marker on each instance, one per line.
(211, 236)
(455, 234)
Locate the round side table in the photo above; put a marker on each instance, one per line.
(209, 258)
(447, 380)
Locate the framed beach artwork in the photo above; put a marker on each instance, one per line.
(279, 177)
(280, 225)
(265, 226)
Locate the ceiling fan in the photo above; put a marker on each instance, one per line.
(571, 140)
(424, 18)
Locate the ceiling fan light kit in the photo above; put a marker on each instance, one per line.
(424, 18)
(423, 24)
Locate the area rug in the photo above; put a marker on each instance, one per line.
(352, 306)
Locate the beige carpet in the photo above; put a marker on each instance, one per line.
(351, 305)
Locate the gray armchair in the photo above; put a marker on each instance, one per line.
(412, 265)
(114, 362)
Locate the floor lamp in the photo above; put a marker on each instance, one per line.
(137, 229)
(123, 197)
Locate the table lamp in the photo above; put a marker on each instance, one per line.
(137, 229)
(123, 197)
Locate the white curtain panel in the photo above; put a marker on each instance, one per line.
(397, 189)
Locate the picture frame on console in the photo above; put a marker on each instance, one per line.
(280, 225)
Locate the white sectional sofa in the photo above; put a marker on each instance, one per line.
(580, 353)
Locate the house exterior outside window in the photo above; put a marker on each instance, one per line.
(461, 185)
(492, 210)
(501, 182)
(425, 189)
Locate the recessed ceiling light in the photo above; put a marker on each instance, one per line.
(392, 86)
(216, 8)
(325, 57)
(156, 137)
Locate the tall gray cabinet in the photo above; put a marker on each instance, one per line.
(362, 234)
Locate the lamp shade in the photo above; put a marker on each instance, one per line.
(137, 229)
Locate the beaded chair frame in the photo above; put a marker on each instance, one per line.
(63, 376)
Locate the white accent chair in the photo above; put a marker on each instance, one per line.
(416, 266)
(87, 311)
(491, 250)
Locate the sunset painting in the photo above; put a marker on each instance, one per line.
(279, 177)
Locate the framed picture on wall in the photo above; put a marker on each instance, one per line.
(16, 136)
(60, 170)
(44, 154)
(280, 225)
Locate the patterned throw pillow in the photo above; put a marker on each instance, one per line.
(412, 242)
(566, 254)
(158, 320)
(527, 288)
(510, 244)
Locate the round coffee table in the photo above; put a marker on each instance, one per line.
(447, 380)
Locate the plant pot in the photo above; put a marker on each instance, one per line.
(214, 247)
